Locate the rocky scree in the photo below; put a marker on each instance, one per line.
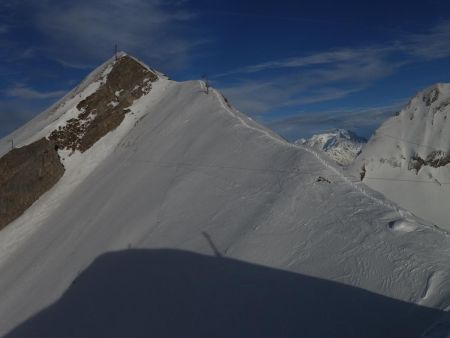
(104, 110)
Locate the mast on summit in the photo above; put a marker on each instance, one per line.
(115, 51)
(206, 82)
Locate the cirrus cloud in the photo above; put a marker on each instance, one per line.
(83, 33)
(329, 75)
(27, 93)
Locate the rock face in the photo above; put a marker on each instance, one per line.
(340, 145)
(434, 159)
(408, 157)
(105, 109)
(29, 171)
(25, 174)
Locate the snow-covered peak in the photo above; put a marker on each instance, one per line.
(77, 133)
(423, 123)
(340, 144)
(419, 136)
(408, 157)
(66, 108)
(434, 95)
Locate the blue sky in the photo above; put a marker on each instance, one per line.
(299, 67)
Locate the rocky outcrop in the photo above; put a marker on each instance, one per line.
(431, 96)
(25, 174)
(362, 174)
(435, 159)
(28, 172)
(104, 110)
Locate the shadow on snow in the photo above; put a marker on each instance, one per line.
(169, 293)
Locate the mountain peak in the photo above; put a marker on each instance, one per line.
(433, 96)
(102, 111)
(121, 54)
(94, 109)
(413, 146)
(340, 144)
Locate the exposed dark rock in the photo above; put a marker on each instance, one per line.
(226, 101)
(362, 174)
(431, 97)
(322, 179)
(434, 159)
(104, 110)
(25, 174)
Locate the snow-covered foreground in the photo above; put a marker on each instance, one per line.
(170, 293)
(190, 174)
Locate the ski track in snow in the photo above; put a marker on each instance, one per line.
(359, 186)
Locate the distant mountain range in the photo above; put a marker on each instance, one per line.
(341, 145)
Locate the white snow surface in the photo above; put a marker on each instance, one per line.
(340, 145)
(419, 129)
(184, 164)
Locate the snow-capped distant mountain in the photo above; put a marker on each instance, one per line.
(168, 213)
(408, 157)
(340, 145)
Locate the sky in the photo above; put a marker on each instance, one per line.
(299, 67)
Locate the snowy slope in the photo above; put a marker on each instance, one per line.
(185, 171)
(407, 159)
(340, 145)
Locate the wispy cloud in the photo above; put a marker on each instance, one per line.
(430, 45)
(330, 75)
(362, 120)
(32, 94)
(344, 55)
(307, 86)
(73, 65)
(79, 33)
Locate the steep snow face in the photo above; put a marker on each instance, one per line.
(340, 145)
(408, 157)
(185, 171)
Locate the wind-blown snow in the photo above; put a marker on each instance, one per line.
(186, 171)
